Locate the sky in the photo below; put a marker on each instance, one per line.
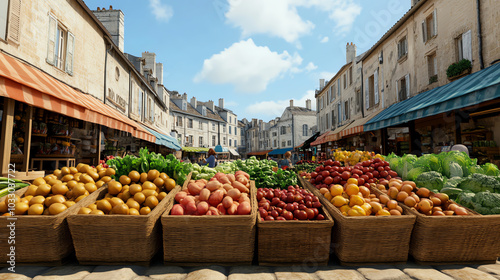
(255, 54)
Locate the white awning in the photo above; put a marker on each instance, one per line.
(234, 152)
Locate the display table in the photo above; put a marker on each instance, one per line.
(70, 161)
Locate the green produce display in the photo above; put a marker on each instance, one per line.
(15, 184)
(262, 172)
(146, 161)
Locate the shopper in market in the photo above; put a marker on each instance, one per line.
(286, 162)
(211, 160)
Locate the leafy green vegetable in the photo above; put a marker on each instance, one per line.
(431, 180)
(486, 203)
(456, 170)
(451, 192)
(476, 169)
(414, 173)
(430, 162)
(461, 158)
(478, 182)
(490, 169)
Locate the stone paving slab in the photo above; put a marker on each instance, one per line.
(338, 273)
(251, 272)
(294, 273)
(426, 273)
(166, 272)
(491, 268)
(70, 272)
(115, 272)
(22, 272)
(207, 273)
(383, 273)
(142, 278)
(466, 273)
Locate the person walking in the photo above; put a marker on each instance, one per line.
(211, 160)
(286, 162)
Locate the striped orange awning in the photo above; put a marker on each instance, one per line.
(27, 84)
(351, 131)
(259, 153)
(328, 136)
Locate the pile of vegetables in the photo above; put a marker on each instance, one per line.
(146, 161)
(353, 157)
(305, 167)
(10, 185)
(57, 192)
(133, 194)
(355, 199)
(262, 172)
(224, 194)
(293, 203)
(455, 174)
(421, 199)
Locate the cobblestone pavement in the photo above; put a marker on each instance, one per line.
(73, 271)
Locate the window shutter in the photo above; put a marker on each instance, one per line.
(338, 87)
(406, 45)
(434, 23)
(367, 94)
(435, 65)
(467, 45)
(397, 91)
(375, 86)
(424, 31)
(51, 47)
(407, 79)
(14, 21)
(70, 49)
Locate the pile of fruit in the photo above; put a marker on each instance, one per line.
(224, 194)
(350, 158)
(354, 199)
(135, 194)
(57, 192)
(421, 199)
(366, 172)
(293, 203)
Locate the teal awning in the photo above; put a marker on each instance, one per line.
(279, 151)
(220, 149)
(164, 139)
(471, 90)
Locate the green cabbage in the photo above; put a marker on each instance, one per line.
(430, 162)
(413, 174)
(455, 170)
(431, 180)
(461, 158)
(490, 169)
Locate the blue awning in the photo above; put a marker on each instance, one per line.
(164, 139)
(471, 90)
(220, 149)
(279, 151)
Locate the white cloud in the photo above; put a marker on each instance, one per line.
(275, 108)
(250, 68)
(310, 66)
(161, 11)
(324, 40)
(280, 18)
(326, 75)
(277, 18)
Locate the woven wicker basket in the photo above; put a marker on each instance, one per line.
(210, 240)
(367, 240)
(118, 239)
(310, 239)
(41, 240)
(455, 239)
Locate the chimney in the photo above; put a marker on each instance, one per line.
(350, 53)
(185, 96)
(193, 102)
(159, 73)
(150, 59)
(221, 103)
(414, 2)
(308, 104)
(291, 103)
(114, 22)
(210, 105)
(321, 84)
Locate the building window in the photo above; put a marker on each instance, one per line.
(230, 142)
(403, 88)
(371, 90)
(201, 141)
(235, 143)
(345, 81)
(346, 110)
(190, 123)
(332, 95)
(432, 68)
(402, 48)
(304, 129)
(275, 134)
(339, 110)
(213, 126)
(213, 140)
(283, 143)
(224, 128)
(235, 131)
(141, 96)
(429, 26)
(274, 143)
(61, 46)
(230, 130)
(230, 119)
(200, 125)
(179, 121)
(282, 130)
(358, 100)
(350, 75)
(224, 141)
(338, 87)
(289, 143)
(327, 119)
(464, 46)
